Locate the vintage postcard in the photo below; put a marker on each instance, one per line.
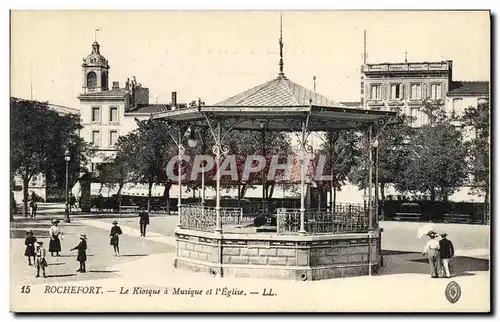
(250, 161)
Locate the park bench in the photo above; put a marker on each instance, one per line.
(457, 218)
(408, 216)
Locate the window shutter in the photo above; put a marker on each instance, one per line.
(402, 89)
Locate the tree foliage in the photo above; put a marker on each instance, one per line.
(340, 152)
(143, 155)
(392, 152)
(477, 121)
(39, 138)
(437, 165)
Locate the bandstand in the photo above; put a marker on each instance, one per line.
(308, 244)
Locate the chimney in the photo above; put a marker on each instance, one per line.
(116, 85)
(174, 99)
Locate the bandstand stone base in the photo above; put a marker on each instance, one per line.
(268, 255)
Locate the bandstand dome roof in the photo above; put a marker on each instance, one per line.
(280, 91)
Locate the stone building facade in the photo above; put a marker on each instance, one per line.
(405, 86)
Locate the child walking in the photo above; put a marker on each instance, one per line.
(82, 253)
(114, 241)
(30, 247)
(41, 262)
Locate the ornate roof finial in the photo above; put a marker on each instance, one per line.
(281, 45)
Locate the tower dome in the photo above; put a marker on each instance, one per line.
(95, 58)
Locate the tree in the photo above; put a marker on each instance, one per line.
(478, 120)
(115, 172)
(437, 163)
(145, 153)
(67, 137)
(39, 137)
(393, 155)
(266, 144)
(242, 144)
(340, 151)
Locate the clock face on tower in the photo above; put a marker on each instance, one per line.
(91, 79)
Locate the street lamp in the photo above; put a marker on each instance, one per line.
(67, 158)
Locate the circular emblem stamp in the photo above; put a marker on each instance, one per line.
(453, 292)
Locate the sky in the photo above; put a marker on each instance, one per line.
(213, 54)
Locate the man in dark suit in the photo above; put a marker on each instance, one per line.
(143, 221)
(446, 251)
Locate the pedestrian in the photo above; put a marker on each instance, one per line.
(41, 261)
(100, 202)
(82, 253)
(431, 250)
(30, 247)
(143, 221)
(114, 241)
(33, 204)
(55, 242)
(72, 201)
(446, 252)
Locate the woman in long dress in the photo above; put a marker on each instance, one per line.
(431, 250)
(55, 242)
(114, 240)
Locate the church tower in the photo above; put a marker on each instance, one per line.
(95, 71)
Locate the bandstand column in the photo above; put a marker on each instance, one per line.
(370, 179)
(217, 148)
(180, 154)
(302, 230)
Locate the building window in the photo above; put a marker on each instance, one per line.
(113, 114)
(113, 137)
(457, 106)
(375, 92)
(396, 91)
(96, 138)
(96, 114)
(435, 91)
(416, 91)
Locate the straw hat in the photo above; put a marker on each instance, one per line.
(83, 236)
(55, 221)
(39, 243)
(29, 231)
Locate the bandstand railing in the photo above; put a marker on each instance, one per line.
(344, 219)
(204, 218)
